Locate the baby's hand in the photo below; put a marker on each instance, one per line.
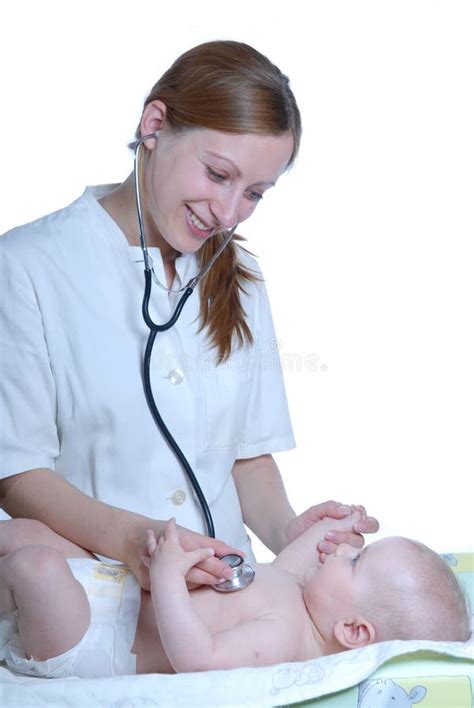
(166, 554)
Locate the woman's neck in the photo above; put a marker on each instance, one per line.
(120, 204)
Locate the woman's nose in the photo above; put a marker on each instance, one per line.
(226, 209)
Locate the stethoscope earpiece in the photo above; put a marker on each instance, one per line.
(242, 574)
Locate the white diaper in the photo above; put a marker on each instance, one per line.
(105, 649)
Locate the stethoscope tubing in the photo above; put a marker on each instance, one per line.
(242, 574)
(154, 329)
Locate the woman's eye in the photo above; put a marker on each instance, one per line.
(220, 178)
(216, 176)
(255, 196)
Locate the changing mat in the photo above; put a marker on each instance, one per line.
(398, 674)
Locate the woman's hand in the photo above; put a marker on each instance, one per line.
(167, 558)
(207, 572)
(332, 539)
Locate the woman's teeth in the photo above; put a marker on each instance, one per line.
(199, 224)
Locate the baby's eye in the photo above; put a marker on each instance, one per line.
(355, 559)
(216, 176)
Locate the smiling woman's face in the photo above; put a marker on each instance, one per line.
(198, 182)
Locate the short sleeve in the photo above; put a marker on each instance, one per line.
(267, 427)
(28, 435)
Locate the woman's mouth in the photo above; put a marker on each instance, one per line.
(196, 226)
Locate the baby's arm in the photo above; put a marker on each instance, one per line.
(301, 553)
(186, 639)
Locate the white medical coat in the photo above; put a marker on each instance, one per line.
(71, 395)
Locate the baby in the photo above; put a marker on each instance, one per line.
(81, 617)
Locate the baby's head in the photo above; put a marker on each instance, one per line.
(394, 588)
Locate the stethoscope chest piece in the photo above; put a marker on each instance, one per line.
(242, 574)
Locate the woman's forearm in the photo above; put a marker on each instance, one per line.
(43, 495)
(265, 506)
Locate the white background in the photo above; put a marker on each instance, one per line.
(367, 245)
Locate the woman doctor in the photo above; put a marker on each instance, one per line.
(79, 448)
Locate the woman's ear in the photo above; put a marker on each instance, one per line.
(354, 633)
(153, 119)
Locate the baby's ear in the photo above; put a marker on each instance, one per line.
(354, 633)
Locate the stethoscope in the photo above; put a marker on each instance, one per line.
(242, 574)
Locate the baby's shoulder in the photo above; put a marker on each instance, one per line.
(277, 586)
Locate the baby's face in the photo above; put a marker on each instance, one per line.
(335, 589)
(332, 587)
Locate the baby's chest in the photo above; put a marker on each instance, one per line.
(267, 598)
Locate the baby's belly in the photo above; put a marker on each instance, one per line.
(151, 657)
(147, 646)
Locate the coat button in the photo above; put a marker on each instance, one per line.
(175, 376)
(178, 497)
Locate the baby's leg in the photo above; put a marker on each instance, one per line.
(53, 609)
(17, 533)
